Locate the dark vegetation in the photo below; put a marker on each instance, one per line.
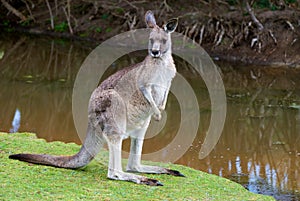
(257, 31)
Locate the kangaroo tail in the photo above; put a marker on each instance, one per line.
(78, 160)
(88, 151)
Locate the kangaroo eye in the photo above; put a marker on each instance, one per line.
(164, 41)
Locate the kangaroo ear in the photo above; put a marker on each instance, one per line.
(150, 19)
(171, 25)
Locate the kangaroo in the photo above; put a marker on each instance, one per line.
(122, 107)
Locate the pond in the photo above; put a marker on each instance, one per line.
(260, 143)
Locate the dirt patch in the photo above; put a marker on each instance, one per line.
(262, 32)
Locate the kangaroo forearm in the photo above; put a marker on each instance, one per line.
(164, 102)
(146, 91)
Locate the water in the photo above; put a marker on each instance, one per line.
(260, 144)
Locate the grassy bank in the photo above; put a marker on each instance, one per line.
(23, 181)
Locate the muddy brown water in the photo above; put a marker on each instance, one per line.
(260, 143)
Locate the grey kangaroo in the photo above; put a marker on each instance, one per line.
(122, 107)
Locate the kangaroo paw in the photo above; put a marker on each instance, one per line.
(157, 117)
(175, 173)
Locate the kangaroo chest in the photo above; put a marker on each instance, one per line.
(158, 78)
(160, 84)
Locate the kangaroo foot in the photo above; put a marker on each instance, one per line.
(122, 176)
(153, 170)
(151, 182)
(174, 173)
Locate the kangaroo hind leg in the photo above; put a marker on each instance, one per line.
(115, 170)
(134, 160)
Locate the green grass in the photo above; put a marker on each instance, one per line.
(23, 181)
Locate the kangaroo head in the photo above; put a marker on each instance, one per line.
(160, 38)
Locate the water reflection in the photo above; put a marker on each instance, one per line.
(37, 77)
(16, 122)
(260, 143)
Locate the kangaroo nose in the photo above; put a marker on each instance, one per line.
(155, 53)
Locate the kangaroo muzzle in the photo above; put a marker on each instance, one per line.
(155, 53)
